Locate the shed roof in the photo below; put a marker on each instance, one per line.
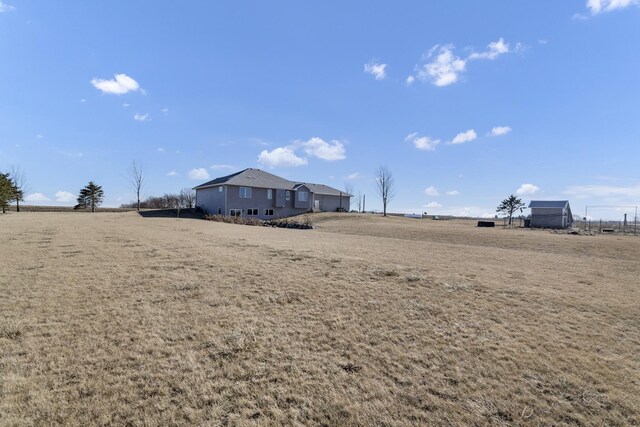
(549, 204)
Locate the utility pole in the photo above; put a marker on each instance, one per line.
(364, 199)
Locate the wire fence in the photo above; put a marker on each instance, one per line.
(607, 226)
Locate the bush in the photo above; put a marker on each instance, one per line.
(300, 222)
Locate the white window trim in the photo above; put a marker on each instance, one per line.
(247, 192)
(300, 194)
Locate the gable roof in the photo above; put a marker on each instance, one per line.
(257, 178)
(250, 178)
(549, 204)
(322, 189)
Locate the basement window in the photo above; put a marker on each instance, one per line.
(268, 212)
(235, 212)
(252, 211)
(245, 192)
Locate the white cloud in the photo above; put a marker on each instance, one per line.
(433, 205)
(463, 137)
(173, 173)
(496, 49)
(65, 197)
(432, 191)
(160, 149)
(36, 197)
(410, 80)
(527, 189)
(353, 176)
(120, 85)
(198, 173)
(453, 193)
(321, 149)
(376, 69)
(5, 7)
(165, 111)
(141, 117)
(221, 167)
(444, 69)
(598, 6)
(281, 156)
(500, 130)
(83, 100)
(39, 136)
(422, 142)
(125, 105)
(586, 191)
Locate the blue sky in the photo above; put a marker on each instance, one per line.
(466, 102)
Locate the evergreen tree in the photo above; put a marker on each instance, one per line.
(7, 191)
(510, 205)
(90, 196)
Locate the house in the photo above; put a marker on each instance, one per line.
(259, 194)
(550, 214)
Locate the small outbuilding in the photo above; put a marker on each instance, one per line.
(551, 214)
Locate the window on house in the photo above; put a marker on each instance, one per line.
(252, 211)
(269, 194)
(268, 212)
(245, 192)
(303, 196)
(220, 189)
(287, 195)
(235, 212)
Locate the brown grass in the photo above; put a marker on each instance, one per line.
(118, 319)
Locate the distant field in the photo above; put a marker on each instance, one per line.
(30, 208)
(119, 319)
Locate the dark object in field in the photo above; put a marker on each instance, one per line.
(486, 224)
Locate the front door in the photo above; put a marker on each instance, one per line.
(316, 205)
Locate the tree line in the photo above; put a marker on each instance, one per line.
(185, 199)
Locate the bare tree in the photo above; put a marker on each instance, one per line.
(135, 175)
(385, 186)
(348, 188)
(20, 184)
(188, 197)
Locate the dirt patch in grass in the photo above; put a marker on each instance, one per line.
(116, 319)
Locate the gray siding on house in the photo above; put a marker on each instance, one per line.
(260, 201)
(329, 203)
(211, 199)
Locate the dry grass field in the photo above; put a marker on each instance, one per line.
(116, 319)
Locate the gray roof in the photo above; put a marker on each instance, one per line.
(322, 189)
(250, 178)
(260, 179)
(549, 204)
